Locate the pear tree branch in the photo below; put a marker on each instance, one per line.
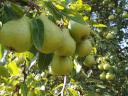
(3, 59)
(33, 61)
(62, 90)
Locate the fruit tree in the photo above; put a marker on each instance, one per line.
(63, 47)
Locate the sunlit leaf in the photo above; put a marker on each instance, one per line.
(87, 7)
(85, 18)
(73, 92)
(13, 68)
(59, 7)
(58, 86)
(99, 25)
(94, 50)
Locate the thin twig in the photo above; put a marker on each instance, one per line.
(62, 90)
(33, 61)
(3, 59)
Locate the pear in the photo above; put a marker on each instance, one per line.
(84, 48)
(61, 65)
(16, 35)
(110, 76)
(89, 61)
(103, 75)
(106, 66)
(68, 44)
(52, 36)
(79, 31)
(100, 67)
(110, 36)
(125, 14)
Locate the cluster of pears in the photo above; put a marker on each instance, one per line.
(106, 72)
(64, 43)
(80, 33)
(72, 43)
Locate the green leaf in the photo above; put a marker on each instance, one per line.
(58, 86)
(99, 25)
(13, 68)
(37, 27)
(44, 60)
(70, 15)
(4, 72)
(87, 7)
(101, 86)
(73, 92)
(17, 9)
(24, 89)
(11, 11)
(52, 9)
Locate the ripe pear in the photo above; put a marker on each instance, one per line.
(100, 67)
(68, 44)
(103, 75)
(110, 36)
(110, 76)
(89, 61)
(125, 14)
(78, 30)
(61, 65)
(111, 17)
(84, 48)
(52, 36)
(16, 34)
(106, 66)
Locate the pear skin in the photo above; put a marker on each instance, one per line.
(16, 35)
(89, 61)
(68, 44)
(78, 30)
(84, 48)
(52, 36)
(61, 65)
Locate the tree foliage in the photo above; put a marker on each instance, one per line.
(27, 73)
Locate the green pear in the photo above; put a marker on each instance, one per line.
(61, 65)
(16, 35)
(100, 67)
(52, 36)
(110, 36)
(84, 48)
(110, 76)
(125, 14)
(79, 31)
(111, 17)
(106, 66)
(103, 75)
(89, 61)
(68, 44)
